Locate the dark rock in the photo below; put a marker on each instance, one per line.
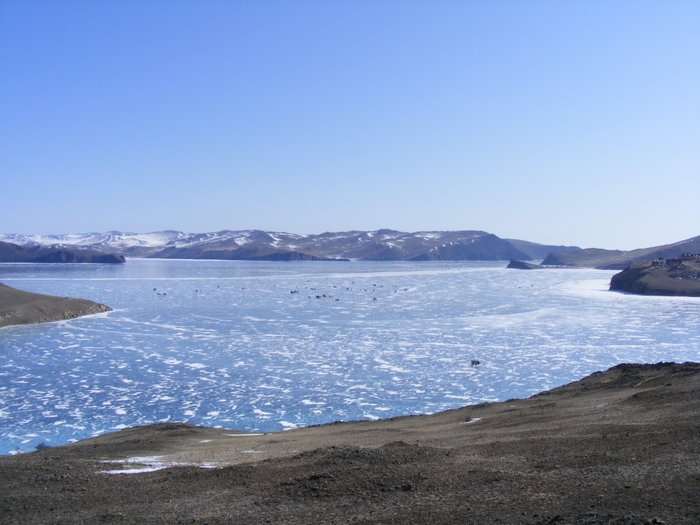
(522, 265)
(679, 277)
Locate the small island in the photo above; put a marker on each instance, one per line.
(522, 265)
(679, 276)
(20, 307)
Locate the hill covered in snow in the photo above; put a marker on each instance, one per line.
(380, 245)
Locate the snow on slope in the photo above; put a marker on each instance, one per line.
(145, 243)
(383, 244)
(91, 240)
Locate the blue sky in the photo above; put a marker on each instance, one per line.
(571, 122)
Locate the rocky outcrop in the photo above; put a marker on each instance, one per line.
(40, 254)
(19, 307)
(678, 276)
(522, 265)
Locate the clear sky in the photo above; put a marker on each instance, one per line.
(559, 122)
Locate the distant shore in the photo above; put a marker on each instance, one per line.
(18, 307)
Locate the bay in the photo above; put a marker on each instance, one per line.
(227, 343)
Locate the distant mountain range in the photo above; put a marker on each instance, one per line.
(380, 245)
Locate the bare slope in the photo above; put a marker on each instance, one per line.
(537, 252)
(19, 307)
(617, 259)
(616, 447)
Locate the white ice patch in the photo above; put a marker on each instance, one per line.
(133, 470)
(384, 365)
(150, 464)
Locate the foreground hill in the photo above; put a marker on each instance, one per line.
(19, 307)
(661, 277)
(14, 253)
(617, 259)
(616, 447)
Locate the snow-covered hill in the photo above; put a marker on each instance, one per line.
(145, 244)
(258, 244)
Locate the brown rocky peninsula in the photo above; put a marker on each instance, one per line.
(679, 276)
(19, 307)
(619, 447)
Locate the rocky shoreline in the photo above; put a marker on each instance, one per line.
(19, 307)
(676, 277)
(621, 446)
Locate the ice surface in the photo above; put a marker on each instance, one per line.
(242, 352)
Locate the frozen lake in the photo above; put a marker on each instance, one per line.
(225, 343)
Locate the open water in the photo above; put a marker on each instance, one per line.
(226, 343)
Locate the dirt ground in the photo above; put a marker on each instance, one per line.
(617, 447)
